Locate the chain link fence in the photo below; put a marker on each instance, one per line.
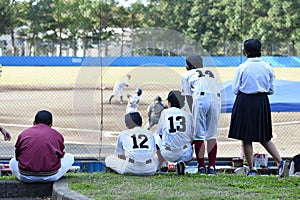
(130, 43)
(78, 96)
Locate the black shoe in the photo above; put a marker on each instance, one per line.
(110, 98)
(163, 170)
(211, 171)
(108, 170)
(201, 170)
(180, 168)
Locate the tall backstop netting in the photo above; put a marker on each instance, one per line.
(77, 89)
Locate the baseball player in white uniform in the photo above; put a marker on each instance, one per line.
(135, 152)
(133, 101)
(119, 88)
(201, 88)
(175, 133)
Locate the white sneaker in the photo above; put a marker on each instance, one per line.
(242, 170)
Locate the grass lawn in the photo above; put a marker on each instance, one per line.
(191, 186)
(102, 185)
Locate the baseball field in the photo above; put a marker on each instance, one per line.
(78, 99)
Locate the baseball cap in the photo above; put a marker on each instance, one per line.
(133, 119)
(252, 45)
(194, 60)
(158, 98)
(175, 98)
(43, 117)
(139, 91)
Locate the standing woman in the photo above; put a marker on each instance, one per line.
(251, 112)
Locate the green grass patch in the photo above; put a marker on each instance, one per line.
(191, 186)
(8, 178)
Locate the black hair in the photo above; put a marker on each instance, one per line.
(133, 120)
(176, 99)
(43, 117)
(253, 54)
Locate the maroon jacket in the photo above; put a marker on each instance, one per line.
(39, 149)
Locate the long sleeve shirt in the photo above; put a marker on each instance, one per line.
(39, 149)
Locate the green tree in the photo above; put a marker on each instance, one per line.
(38, 16)
(11, 16)
(206, 24)
(215, 24)
(100, 16)
(171, 15)
(122, 20)
(284, 19)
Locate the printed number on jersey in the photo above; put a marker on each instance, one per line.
(205, 73)
(177, 123)
(139, 141)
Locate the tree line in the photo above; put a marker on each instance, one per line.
(214, 24)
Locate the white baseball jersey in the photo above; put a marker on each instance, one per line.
(138, 146)
(203, 86)
(133, 103)
(119, 86)
(176, 128)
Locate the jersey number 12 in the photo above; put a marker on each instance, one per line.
(142, 143)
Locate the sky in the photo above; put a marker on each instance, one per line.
(126, 3)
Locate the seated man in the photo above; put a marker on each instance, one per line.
(135, 152)
(175, 130)
(154, 111)
(39, 152)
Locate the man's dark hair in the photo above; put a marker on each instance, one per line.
(133, 120)
(176, 99)
(43, 117)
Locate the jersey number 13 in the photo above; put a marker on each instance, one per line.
(182, 124)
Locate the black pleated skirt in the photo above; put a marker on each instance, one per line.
(251, 118)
